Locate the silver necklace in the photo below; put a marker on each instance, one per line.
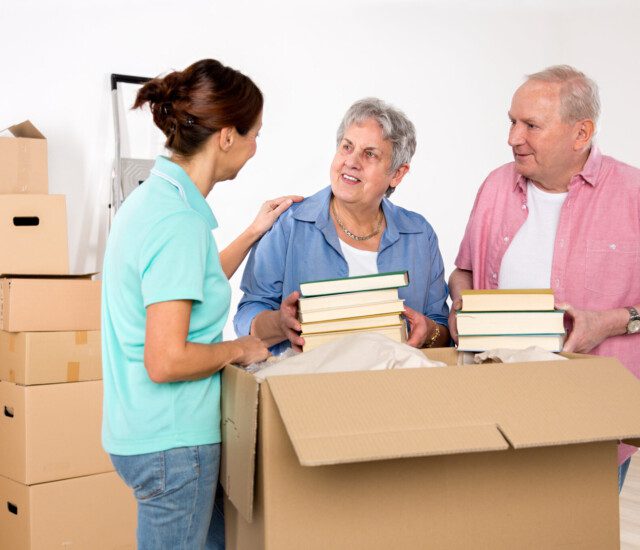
(352, 235)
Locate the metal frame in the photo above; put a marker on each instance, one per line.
(127, 172)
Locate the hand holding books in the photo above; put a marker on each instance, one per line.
(288, 320)
(341, 307)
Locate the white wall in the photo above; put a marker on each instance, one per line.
(450, 65)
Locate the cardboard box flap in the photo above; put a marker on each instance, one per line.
(576, 401)
(365, 416)
(363, 447)
(239, 433)
(351, 417)
(25, 130)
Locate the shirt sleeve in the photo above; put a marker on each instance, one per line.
(464, 259)
(173, 259)
(437, 308)
(263, 277)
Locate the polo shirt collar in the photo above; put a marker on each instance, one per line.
(176, 176)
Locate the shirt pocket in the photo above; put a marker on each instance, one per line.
(611, 266)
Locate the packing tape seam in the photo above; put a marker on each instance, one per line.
(73, 371)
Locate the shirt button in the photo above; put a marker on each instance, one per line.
(524, 206)
(557, 282)
(494, 275)
(506, 239)
(561, 242)
(612, 246)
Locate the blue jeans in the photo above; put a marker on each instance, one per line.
(175, 490)
(622, 473)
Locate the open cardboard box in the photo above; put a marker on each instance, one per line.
(93, 512)
(34, 304)
(24, 160)
(496, 456)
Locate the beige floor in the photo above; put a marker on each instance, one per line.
(630, 508)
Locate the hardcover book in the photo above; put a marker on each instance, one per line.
(355, 284)
(537, 299)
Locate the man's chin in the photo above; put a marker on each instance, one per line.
(523, 171)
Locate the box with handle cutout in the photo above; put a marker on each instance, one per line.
(33, 235)
(97, 512)
(51, 432)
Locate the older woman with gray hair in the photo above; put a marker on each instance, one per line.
(349, 228)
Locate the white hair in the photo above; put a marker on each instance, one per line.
(395, 125)
(579, 96)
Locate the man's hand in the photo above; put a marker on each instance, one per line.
(288, 320)
(453, 319)
(590, 328)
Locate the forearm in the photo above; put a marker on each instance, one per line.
(191, 361)
(615, 320)
(266, 326)
(233, 255)
(460, 280)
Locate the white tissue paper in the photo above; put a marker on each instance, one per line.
(364, 351)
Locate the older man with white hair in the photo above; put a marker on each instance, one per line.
(562, 215)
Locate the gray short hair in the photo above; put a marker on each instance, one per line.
(396, 127)
(579, 95)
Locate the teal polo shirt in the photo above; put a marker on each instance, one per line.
(160, 248)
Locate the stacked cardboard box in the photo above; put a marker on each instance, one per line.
(57, 485)
(512, 319)
(336, 308)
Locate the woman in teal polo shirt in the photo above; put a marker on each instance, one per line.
(166, 298)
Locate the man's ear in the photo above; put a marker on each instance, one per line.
(585, 129)
(398, 175)
(226, 138)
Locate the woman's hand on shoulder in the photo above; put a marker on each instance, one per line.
(253, 350)
(270, 211)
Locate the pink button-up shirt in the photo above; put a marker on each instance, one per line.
(596, 256)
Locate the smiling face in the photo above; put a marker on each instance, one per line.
(545, 147)
(360, 168)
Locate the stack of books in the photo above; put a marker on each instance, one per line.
(335, 308)
(513, 319)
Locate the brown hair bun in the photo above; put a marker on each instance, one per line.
(190, 105)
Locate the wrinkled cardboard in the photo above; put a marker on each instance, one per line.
(477, 456)
(23, 160)
(36, 304)
(33, 235)
(93, 512)
(51, 432)
(31, 358)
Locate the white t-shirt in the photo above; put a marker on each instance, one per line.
(527, 261)
(360, 262)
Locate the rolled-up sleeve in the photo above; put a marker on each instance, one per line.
(263, 277)
(437, 308)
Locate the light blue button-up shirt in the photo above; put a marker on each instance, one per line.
(303, 246)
